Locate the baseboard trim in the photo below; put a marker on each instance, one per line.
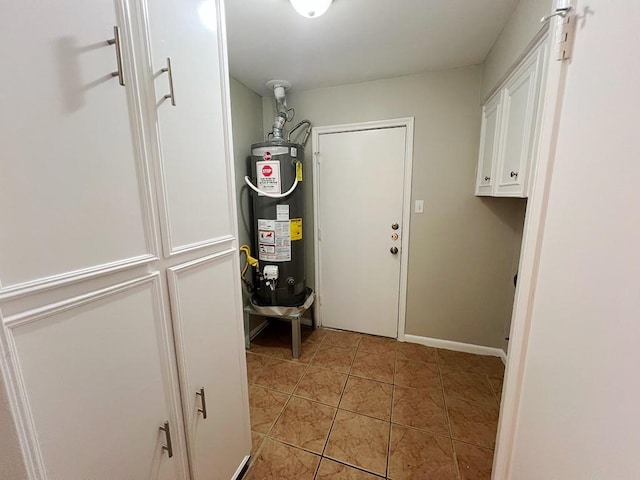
(242, 469)
(456, 346)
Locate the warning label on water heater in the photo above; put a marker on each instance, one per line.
(274, 240)
(268, 176)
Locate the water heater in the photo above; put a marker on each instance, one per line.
(278, 215)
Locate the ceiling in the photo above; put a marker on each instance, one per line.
(358, 40)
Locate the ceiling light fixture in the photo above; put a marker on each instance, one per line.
(311, 8)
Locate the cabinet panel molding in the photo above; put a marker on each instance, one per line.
(192, 168)
(95, 370)
(208, 364)
(74, 172)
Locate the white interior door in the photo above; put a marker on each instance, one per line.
(360, 198)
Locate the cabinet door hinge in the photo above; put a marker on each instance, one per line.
(565, 30)
(565, 36)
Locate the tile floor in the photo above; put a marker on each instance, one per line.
(362, 408)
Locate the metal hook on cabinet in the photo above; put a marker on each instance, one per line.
(560, 12)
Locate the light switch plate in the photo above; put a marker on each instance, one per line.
(419, 208)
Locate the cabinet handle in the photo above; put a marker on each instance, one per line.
(513, 174)
(486, 179)
(168, 70)
(167, 434)
(394, 250)
(203, 399)
(116, 41)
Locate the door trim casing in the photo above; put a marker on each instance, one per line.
(406, 122)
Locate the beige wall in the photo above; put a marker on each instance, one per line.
(462, 248)
(11, 464)
(578, 415)
(521, 28)
(246, 119)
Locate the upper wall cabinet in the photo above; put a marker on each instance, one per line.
(510, 130)
(490, 122)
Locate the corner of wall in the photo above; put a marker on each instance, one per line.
(518, 32)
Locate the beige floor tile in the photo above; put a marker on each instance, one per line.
(496, 386)
(417, 353)
(256, 442)
(469, 362)
(493, 366)
(334, 358)
(425, 376)
(415, 454)
(379, 345)
(266, 350)
(474, 463)
(360, 441)
(368, 398)
(280, 375)
(460, 360)
(304, 424)
(321, 385)
(474, 387)
(374, 366)
(472, 422)
(421, 409)
(277, 461)
(330, 470)
(342, 339)
(308, 334)
(264, 407)
(254, 365)
(307, 354)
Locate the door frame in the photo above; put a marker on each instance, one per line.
(406, 122)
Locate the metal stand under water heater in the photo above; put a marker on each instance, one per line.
(276, 179)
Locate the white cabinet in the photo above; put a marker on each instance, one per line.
(491, 112)
(510, 129)
(190, 126)
(95, 371)
(210, 365)
(68, 156)
(119, 273)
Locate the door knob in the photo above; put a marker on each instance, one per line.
(394, 250)
(395, 226)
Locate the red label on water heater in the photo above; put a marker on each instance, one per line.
(266, 156)
(268, 177)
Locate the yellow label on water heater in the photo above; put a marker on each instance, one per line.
(296, 228)
(298, 173)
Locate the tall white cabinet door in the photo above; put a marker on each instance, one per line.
(520, 108)
(70, 169)
(489, 144)
(205, 300)
(95, 376)
(194, 187)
